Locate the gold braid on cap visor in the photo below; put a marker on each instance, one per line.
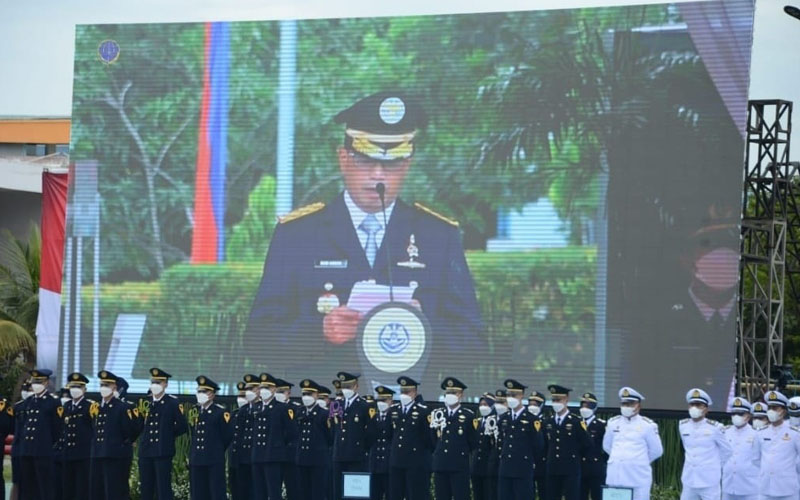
(365, 144)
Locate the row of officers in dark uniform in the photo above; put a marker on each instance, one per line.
(72, 448)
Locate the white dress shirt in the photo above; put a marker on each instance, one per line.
(740, 472)
(632, 444)
(706, 450)
(778, 449)
(357, 216)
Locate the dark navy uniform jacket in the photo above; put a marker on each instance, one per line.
(274, 432)
(521, 442)
(115, 428)
(350, 438)
(18, 411)
(484, 457)
(323, 247)
(42, 426)
(246, 421)
(566, 444)
(78, 430)
(315, 437)
(237, 450)
(164, 421)
(540, 466)
(594, 460)
(380, 432)
(211, 435)
(411, 437)
(455, 443)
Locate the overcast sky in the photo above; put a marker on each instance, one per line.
(37, 38)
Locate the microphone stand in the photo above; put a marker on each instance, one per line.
(381, 189)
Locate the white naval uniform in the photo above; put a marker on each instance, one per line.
(740, 472)
(705, 450)
(632, 445)
(779, 449)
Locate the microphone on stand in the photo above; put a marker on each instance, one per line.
(381, 189)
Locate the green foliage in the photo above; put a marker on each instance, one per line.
(19, 297)
(250, 238)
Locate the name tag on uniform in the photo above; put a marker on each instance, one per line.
(330, 264)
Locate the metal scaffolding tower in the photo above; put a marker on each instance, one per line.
(769, 230)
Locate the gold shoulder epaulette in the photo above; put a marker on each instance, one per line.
(436, 214)
(301, 212)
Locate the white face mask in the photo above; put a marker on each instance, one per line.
(695, 412)
(534, 410)
(513, 403)
(64, 401)
(202, 398)
(759, 424)
(405, 399)
(794, 421)
(116, 393)
(627, 411)
(265, 393)
(308, 400)
(26, 394)
(558, 407)
(586, 412)
(250, 396)
(241, 401)
(75, 392)
(348, 393)
(37, 388)
(500, 408)
(484, 410)
(322, 404)
(281, 397)
(156, 389)
(383, 406)
(739, 420)
(450, 399)
(105, 391)
(773, 415)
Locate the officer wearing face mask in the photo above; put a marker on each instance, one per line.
(236, 450)
(18, 412)
(348, 419)
(484, 458)
(706, 450)
(312, 456)
(778, 446)
(455, 434)
(521, 442)
(380, 435)
(740, 472)
(211, 434)
(410, 458)
(121, 393)
(114, 430)
(246, 417)
(43, 426)
(274, 435)
(632, 443)
(567, 441)
(163, 423)
(759, 416)
(593, 465)
(77, 440)
(536, 408)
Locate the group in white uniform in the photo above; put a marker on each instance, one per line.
(755, 458)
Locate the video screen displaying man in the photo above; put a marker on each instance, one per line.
(304, 315)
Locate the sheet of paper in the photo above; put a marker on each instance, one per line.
(367, 294)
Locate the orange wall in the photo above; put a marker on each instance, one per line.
(35, 131)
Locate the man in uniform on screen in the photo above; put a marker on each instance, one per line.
(318, 252)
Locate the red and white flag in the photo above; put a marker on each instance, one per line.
(54, 210)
